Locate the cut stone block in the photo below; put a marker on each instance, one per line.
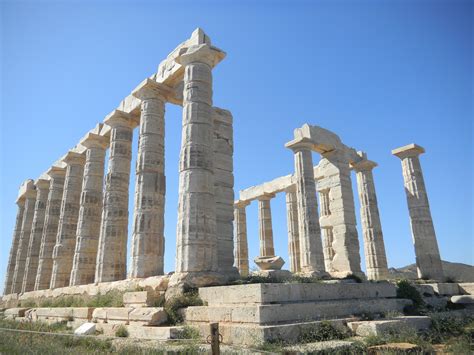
(156, 333)
(463, 299)
(13, 313)
(269, 262)
(85, 329)
(445, 289)
(391, 348)
(141, 298)
(467, 288)
(111, 315)
(147, 316)
(378, 327)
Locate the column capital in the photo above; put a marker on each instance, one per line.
(364, 165)
(93, 140)
(42, 184)
(297, 145)
(72, 157)
(56, 172)
(203, 53)
(150, 89)
(119, 118)
(241, 203)
(410, 150)
(266, 197)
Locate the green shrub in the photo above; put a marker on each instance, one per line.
(174, 304)
(110, 299)
(354, 277)
(408, 291)
(189, 332)
(321, 332)
(121, 332)
(444, 327)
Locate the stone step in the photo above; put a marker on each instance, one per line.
(13, 313)
(266, 293)
(378, 327)
(463, 299)
(147, 298)
(142, 332)
(130, 315)
(57, 314)
(291, 312)
(467, 288)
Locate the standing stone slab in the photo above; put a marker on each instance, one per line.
(26, 224)
(50, 229)
(63, 252)
(90, 211)
(241, 245)
(112, 253)
(428, 260)
(32, 258)
(14, 248)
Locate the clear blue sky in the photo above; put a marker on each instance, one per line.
(381, 74)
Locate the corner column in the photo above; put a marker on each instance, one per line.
(241, 245)
(90, 211)
(50, 229)
(293, 229)
(375, 257)
(112, 253)
(311, 249)
(428, 260)
(63, 252)
(32, 258)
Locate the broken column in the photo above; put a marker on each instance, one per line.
(14, 248)
(50, 229)
(112, 253)
(428, 260)
(90, 211)
(148, 241)
(311, 250)
(375, 257)
(293, 231)
(32, 258)
(241, 245)
(29, 193)
(63, 252)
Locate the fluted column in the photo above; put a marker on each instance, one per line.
(241, 246)
(90, 211)
(148, 241)
(196, 241)
(26, 224)
(265, 228)
(375, 257)
(32, 258)
(311, 250)
(14, 248)
(428, 260)
(112, 253)
(50, 229)
(63, 252)
(293, 230)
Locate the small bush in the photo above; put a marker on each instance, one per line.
(174, 304)
(321, 332)
(121, 332)
(408, 291)
(354, 277)
(399, 334)
(189, 332)
(444, 327)
(450, 279)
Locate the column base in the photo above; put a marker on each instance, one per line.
(277, 275)
(180, 282)
(347, 274)
(315, 274)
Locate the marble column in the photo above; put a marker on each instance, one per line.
(196, 241)
(50, 229)
(112, 253)
(293, 229)
(63, 252)
(428, 260)
(241, 245)
(26, 224)
(375, 257)
(14, 248)
(90, 211)
(32, 258)
(326, 230)
(335, 168)
(148, 241)
(311, 249)
(265, 228)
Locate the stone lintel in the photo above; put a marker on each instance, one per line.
(299, 144)
(93, 140)
(271, 187)
(266, 196)
(410, 150)
(364, 165)
(241, 204)
(202, 53)
(149, 88)
(73, 157)
(118, 118)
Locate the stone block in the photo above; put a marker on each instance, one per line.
(82, 313)
(379, 327)
(394, 348)
(111, 315)
(141, 298)
(445, 289)
(141, 332)
(54, 314)
(463, 299)
(467, 288)
(269, 262)
(85, 329)
(13, 313)
(147, 316)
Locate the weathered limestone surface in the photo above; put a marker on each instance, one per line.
(32, 258)
(50, 229)
(14, 248)
(265, 230)
(63, 252)
(26, 224)
(379, 327)
(196, 232)
(112, 252)
(312, 260)
(293, 230)
(90, 211)
(334, 166)
(428, 260)
(148, 242)
(374, 247)
(241, 244)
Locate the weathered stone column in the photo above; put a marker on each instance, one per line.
(196, 240)
(265, 228)
(341, 218)
(311, 250)
(63, 252)
(50, 229)
(14, 248)
(375, 257)
(148, 241)
(241, 246)
(428, 260)
(90, 211)
(112, 254)
(293, 230)
(26, 224)
(326, 231)
(32, 258)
